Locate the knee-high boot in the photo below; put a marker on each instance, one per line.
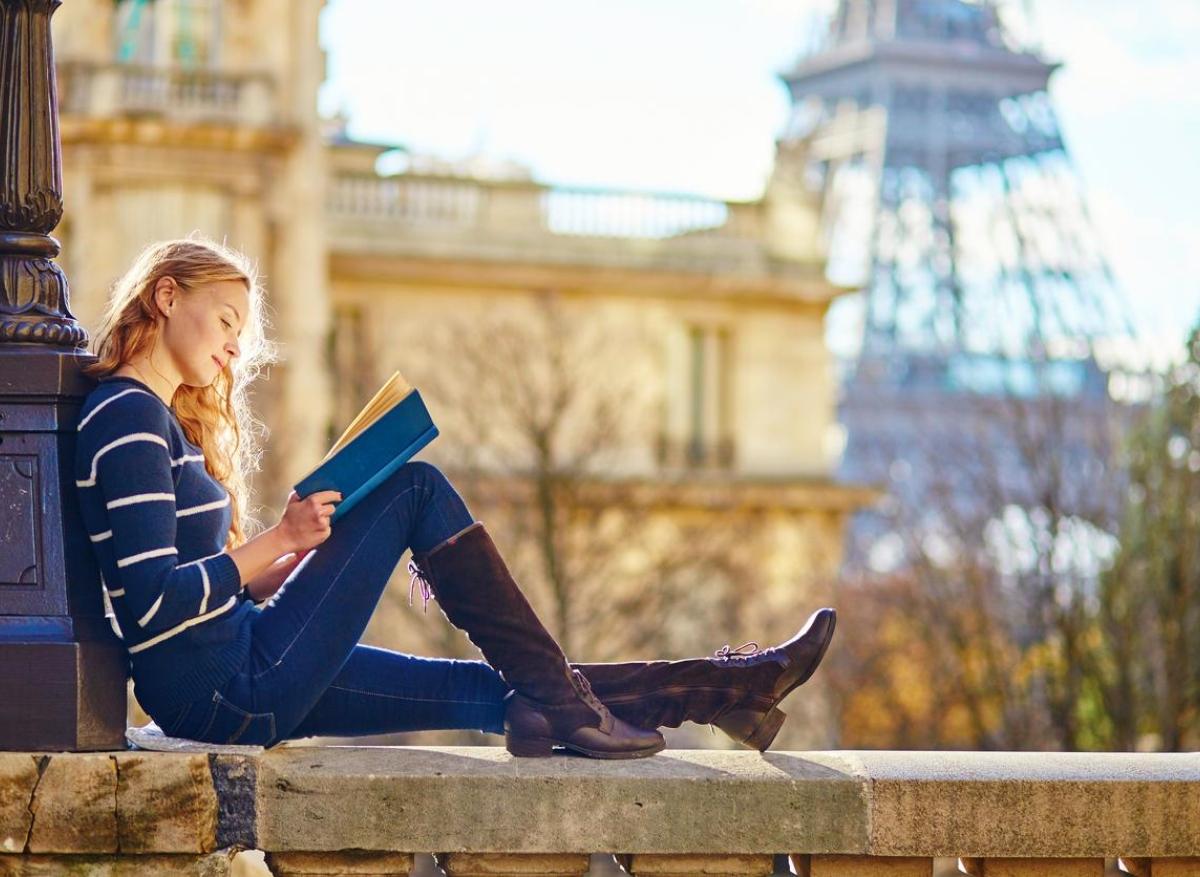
(737, 692)
(551, 704)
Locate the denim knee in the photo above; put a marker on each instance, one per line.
(438, 512)
(422, 473)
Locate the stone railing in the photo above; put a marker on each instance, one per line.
(454, 217)
(367, 810)
(109, 90)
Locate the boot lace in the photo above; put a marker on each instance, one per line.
(726, 654)
(416, 576)
(584, 689)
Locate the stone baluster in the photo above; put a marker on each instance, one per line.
(1033, 867)
(513, 864)
(1161, 867)
(682, 865)
(861, 866)
(340, 863)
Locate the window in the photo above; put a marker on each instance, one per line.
(168, 32)
(351, 362)
(702, 435)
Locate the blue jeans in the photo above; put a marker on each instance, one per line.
(307, 674)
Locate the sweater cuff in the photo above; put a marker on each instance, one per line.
(224, 578)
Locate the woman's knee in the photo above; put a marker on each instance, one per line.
(418, 475)
(421, 472)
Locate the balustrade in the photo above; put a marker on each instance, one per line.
(367, 811)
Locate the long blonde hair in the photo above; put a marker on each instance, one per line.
(217, 418)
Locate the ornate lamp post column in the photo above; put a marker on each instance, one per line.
(62, 671)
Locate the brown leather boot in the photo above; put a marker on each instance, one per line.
(736, 691)
(550, 705)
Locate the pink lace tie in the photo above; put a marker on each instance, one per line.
(417, 577)
(727, 654)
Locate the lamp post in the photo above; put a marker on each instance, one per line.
(62, 670)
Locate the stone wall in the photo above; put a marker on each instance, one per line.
(367, 810)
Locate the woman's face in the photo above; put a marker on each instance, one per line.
(201, 334)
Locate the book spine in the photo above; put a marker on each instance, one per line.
(349, 502)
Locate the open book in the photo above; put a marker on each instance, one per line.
(385, 435)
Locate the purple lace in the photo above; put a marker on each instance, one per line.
(725, 653)
(418, 577)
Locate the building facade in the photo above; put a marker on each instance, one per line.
(633, 389)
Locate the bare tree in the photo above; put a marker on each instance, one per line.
(548, 415)
(985, 564)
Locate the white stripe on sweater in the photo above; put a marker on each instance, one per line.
(145, 555)
(179, 628)
(208, 506)
(100, 537)
(123, 440)
(138, 498)
(145, 619)
(187, 458)
(111, 398)
(207, 589)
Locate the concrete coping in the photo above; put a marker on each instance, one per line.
(480, 799)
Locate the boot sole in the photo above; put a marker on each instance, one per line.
(543, 747)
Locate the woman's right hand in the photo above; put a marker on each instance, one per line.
(305, 522)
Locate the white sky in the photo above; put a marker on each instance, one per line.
(681, 95)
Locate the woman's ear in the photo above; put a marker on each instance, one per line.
(164, 295)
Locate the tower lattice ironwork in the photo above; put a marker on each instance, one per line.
(947, 191)
(948, 196)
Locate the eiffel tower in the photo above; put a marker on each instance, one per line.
(948, 196)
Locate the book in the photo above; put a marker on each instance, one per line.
(385, 435)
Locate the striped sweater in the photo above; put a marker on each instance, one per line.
(157, 522)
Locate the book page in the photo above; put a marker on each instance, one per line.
(393, 390)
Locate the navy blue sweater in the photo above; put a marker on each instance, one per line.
(158, 522)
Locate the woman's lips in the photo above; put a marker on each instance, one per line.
(218, 362)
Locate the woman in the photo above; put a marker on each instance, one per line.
(163, 449)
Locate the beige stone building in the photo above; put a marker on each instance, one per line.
(633, 388)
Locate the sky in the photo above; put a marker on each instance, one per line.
(683, 96)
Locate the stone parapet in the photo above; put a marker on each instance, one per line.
(486, 814)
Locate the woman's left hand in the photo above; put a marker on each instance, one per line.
(266, 583)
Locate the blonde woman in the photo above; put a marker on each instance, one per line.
(255, 639)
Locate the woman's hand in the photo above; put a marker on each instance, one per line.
(305, 522)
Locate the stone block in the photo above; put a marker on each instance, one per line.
(513, 864)
(18, 779)
(75, 805)
(862, 866)
(1033, 867)
(217, 864)
(674, 865)
(1060, 805)
(481, 799)
(340, 863)
(1181, 867)
(166, 803)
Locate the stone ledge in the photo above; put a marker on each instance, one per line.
(481, 800)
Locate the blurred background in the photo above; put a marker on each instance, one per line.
(726, 311)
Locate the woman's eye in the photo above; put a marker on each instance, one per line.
(226, 323)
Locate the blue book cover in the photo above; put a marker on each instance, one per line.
(359, 465)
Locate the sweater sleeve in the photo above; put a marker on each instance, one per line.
(132, 468)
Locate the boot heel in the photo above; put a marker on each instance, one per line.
(529, 747)
(753, 728)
